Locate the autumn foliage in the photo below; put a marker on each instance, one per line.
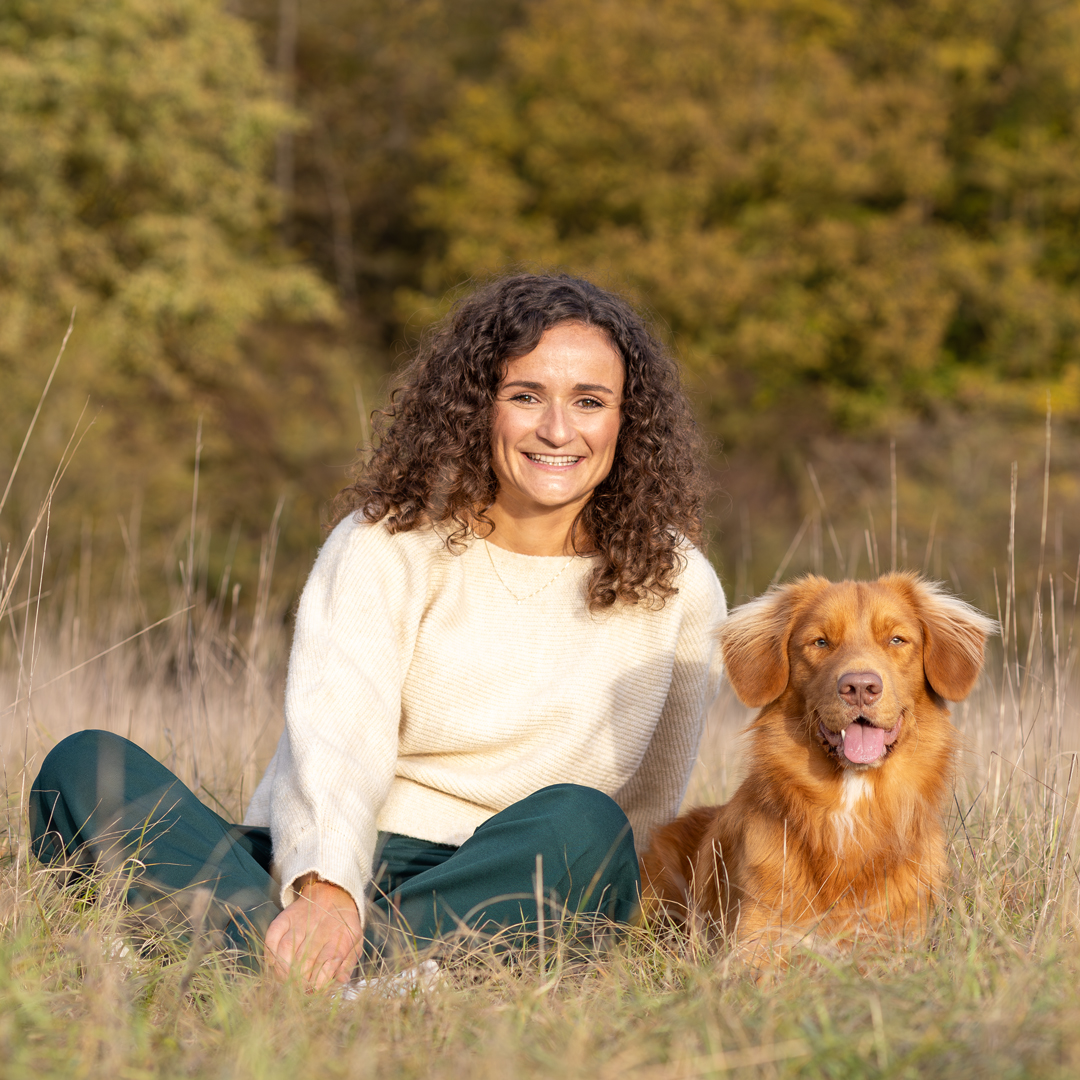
(856, 221)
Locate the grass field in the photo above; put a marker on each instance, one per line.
(992, 990)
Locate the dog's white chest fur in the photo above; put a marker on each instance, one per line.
(855, 786)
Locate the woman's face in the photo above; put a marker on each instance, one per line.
(556, 422)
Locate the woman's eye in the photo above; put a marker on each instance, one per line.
(591, 403)
(524, 397)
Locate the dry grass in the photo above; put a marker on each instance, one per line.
(992, 991)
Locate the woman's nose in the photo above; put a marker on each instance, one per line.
(555, 427)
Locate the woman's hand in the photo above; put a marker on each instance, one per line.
(319, 935)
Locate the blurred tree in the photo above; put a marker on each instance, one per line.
(846, 211)
(135, 137)
(373, 76)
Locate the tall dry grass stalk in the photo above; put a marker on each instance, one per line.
(992, 990)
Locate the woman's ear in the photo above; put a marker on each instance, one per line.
(754, 642)
(954, 639)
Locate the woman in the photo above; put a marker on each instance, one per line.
(502, 661)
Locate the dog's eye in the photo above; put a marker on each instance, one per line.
(821, 643)
(896, 639)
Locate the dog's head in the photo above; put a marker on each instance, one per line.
(855, 658)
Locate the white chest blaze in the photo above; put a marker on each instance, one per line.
(855, 786)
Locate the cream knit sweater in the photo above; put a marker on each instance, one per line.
(423, 697)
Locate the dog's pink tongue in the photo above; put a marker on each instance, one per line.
(863, 743)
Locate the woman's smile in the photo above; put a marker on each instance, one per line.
(547, 459)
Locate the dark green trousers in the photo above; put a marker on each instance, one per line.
(100, 801)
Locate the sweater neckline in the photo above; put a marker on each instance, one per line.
(504, 556)
(523, 577)
(535, 587)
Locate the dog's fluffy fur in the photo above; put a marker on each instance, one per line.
(837, 829)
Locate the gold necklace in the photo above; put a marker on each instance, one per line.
(522, 599)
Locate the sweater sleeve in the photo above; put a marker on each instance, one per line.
(355, 631)
(652, 796)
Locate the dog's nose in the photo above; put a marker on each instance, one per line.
(859, 687)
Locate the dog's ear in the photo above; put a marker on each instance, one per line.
(754, 642)
(954, 640)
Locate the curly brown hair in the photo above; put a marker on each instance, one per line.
(433, 459)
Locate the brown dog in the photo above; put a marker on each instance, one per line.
(838, 826)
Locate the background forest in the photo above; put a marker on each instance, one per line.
(857, 222)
